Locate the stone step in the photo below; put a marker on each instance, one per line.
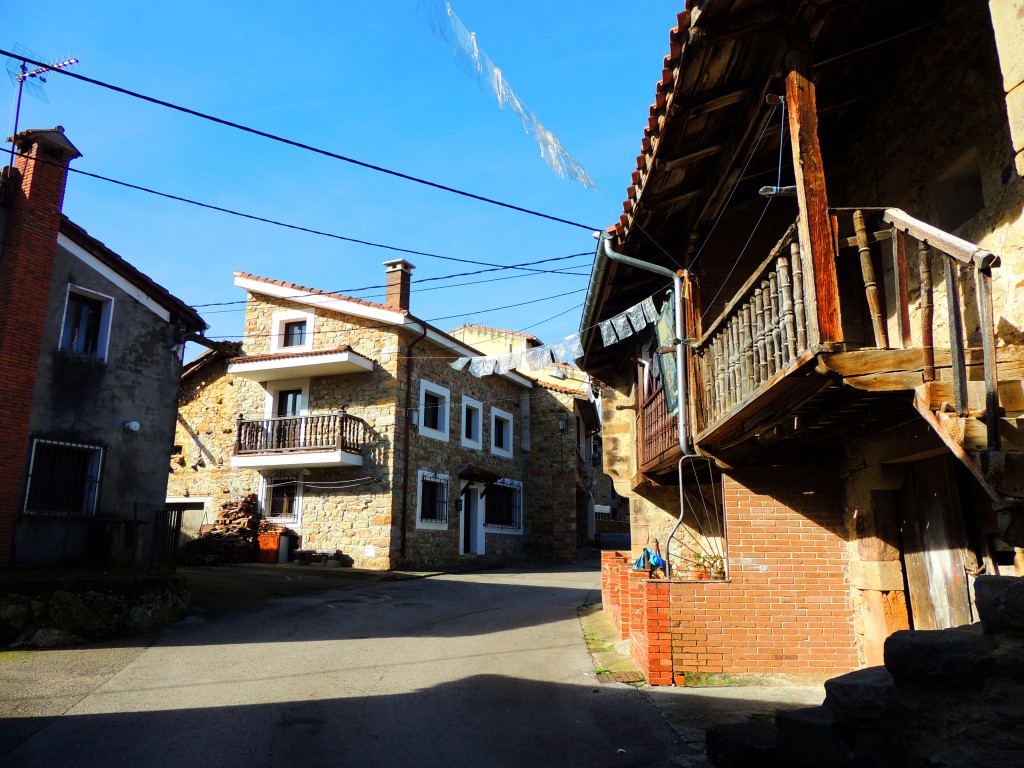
(1000, 602)
(743, 745)
(864, 697)
(956, 658)
(814, 738)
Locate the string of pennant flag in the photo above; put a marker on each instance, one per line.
(567, 350)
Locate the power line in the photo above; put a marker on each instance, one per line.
(298, 144)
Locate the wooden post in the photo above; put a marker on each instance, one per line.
(902, 292)
(867, 271)
(924, 256)
(983, 285)
(957, 353)
(813, 224)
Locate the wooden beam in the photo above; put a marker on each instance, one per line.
(709, 104)
(814, 224)
(667, 166)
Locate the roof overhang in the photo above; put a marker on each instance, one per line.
(293, 366)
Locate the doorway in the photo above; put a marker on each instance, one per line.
(472, 538)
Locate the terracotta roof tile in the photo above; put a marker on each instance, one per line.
(317, 291)
(287, 355)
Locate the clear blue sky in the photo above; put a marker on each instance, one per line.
(370, 81)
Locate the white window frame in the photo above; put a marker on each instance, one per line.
(264, 498)
(273, 387)
(435, 477)
(506, 483)
(446, 410)
(502, 450)
(468, 404)
(103, 339)
(277, 323)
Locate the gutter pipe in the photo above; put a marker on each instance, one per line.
(684, 445)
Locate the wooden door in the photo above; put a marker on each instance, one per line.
(935, 547)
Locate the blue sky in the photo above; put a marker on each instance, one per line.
(373, 82)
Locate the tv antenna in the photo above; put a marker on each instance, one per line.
(20, 74)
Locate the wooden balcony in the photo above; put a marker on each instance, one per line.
(330, 439)
(765, 369)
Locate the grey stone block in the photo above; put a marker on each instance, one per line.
(956, 658)
(866, 696)
(1000, 602)
(743, 745)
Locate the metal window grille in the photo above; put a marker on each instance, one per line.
(281, 502)
(63, 478)
(504, 508)
(434, 498)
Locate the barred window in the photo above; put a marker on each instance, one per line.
(504, 504)
(63, 478)
(433, 499)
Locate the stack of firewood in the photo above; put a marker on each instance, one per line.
(233, 536)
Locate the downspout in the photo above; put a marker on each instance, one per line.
(684, 445)
(405, 442)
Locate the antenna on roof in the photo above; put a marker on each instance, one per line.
(20, 74)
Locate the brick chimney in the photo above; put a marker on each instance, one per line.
(36, 195)
(399, 273)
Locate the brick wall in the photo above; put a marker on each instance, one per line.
(784, 610)
(26, 264)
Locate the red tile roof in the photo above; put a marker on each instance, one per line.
(286, 355)
(305, 289)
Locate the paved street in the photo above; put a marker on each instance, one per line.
(457, 670)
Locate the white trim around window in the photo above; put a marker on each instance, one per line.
(434, 420)
(280, 320)
(432, 487)
(501, 433)
(472, 429)
(69, 340)
(273, 388)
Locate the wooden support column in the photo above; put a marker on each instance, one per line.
(814, 227)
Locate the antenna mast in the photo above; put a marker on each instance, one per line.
(20, 74)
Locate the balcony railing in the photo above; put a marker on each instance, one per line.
(758, 335)
(329, 431)
(658, 431)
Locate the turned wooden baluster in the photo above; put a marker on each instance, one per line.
(716, 346)
(800, 316)
(788, 317)
(747, 336)
(761, 363)
(867, 270)
(776, 315)
(924, 256)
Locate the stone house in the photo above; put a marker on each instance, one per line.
(834, 193)
(90, 353)
(347, 420)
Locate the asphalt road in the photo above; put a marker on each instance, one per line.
(475, 669)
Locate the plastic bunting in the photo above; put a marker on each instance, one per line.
(569, 349)
(475, 63)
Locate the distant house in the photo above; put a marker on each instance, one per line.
(90, 353)
(348, 422)
(837, 188)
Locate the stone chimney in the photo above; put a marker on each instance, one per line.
(399, 274)
(35, 195)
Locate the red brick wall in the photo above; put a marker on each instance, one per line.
(786, 607)
(26, 263)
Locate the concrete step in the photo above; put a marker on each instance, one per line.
(743, 745)
(813, 738)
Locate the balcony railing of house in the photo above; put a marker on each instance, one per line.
(767, 329)
(761, 332)
(329, 431)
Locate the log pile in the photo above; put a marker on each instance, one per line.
(232, 539)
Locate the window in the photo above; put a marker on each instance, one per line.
(432, 501)
(504, 505)
(472, 423)
(433, 410)
(294, 334)
(282, 493)
(291, 331)
(86, 323)
(501, 433)
(63, 479)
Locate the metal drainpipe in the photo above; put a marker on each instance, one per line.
(684, 445)
(405, 440)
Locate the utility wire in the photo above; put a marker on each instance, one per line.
(293, 143)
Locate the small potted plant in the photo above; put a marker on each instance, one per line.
(710, 567)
